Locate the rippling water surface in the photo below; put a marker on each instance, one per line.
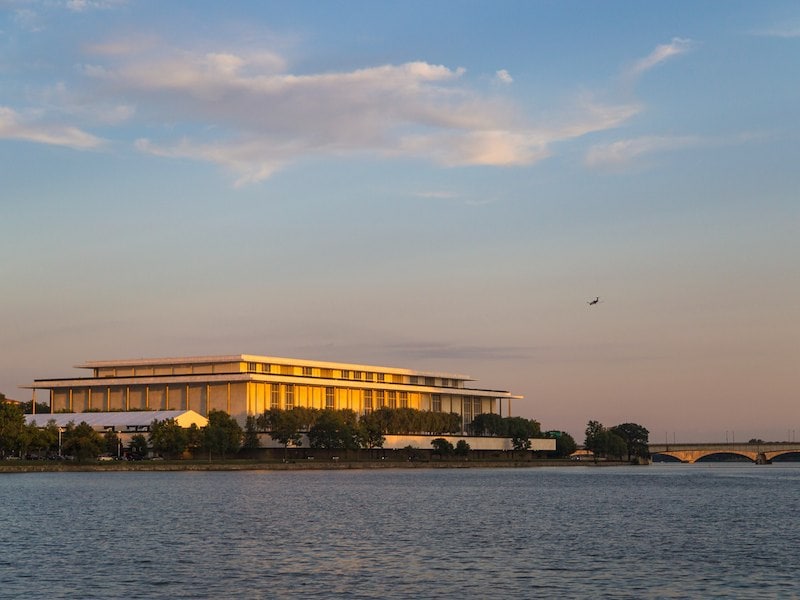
(664, 531)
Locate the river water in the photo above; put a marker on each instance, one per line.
(663, 531)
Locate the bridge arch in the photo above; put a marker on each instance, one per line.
(716, 455)
(783, 456)
(693, 456)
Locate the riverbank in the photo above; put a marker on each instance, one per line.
(309, 465)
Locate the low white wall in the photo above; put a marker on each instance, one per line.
(398, 442)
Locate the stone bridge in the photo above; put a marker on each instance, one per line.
(758, 453)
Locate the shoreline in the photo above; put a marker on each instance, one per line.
(240, 465)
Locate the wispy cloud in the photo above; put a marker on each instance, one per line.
(623, 152)
(788, 30)
(662, 53)
(85, 5)
(14, 126)
(437, 194)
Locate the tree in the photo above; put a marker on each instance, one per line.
(489, 424)
(462, 448)
(442, 447)
(284, 427)
(43, 440)
(195, 437)
(614, 445)
(521, 430)
(565, 444)
(251, 433)
(111, 442)
(82, 441)
(12, 424)
(42, 408)
(222, 435)
(168, 438)
(636, 439)
(139, 446)
(370, 433)
(335, 430)
(594, 440)
(604, 442)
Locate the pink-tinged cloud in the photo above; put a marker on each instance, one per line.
(13, 126)
(256, 117)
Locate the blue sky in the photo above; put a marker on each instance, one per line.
(437, 185)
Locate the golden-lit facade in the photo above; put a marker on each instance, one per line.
(244, 385)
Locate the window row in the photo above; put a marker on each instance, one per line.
(348, 374)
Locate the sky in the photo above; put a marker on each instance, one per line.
(437, 185)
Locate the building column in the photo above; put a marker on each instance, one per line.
(229, 397)
(70, 401)
(108, 399)
(147, 397)
(127, 397)
(208, 397)
(89, 399)
(52, 399)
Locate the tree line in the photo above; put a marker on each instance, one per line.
(344, 430)
(324, 428)
(221, 437)
(629, 440)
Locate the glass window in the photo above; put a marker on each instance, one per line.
(467, 411)
(392, 399)
(329, 399)
(307, 371)
(367, 401)
(345, 374)
(289, 397)
(380, 376)
(380, 398)
(275, 396)
(436, 403)
(266, 368)
(403, 399)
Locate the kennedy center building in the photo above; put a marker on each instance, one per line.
(243, 385)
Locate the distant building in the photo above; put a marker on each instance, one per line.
(243, 385)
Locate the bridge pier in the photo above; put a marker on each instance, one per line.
(761, 459)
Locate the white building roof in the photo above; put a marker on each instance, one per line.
(278, 360)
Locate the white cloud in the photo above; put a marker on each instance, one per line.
(252, 117)
(13, 126)
(661, 53)
(623, 152)
(503, 76)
